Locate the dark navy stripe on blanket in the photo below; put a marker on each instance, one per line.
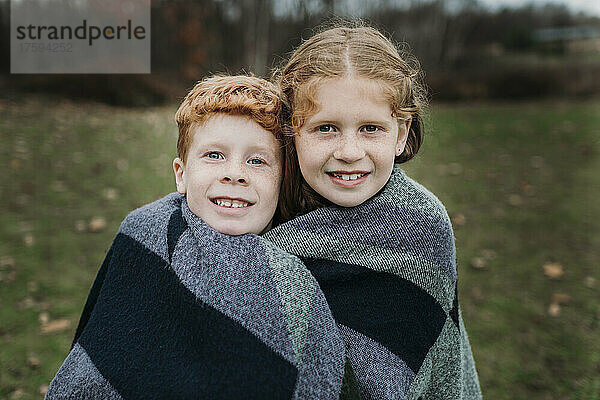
(385, 307)
(151, 338)
(454, 311)
(177, 226)
(92, 297)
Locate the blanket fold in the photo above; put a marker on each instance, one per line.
(388, 271)
(179, 310)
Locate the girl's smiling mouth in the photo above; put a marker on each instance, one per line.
(348, 178)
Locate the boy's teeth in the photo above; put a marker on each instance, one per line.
(349, 177)
(231, 203)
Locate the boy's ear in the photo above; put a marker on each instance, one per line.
(179, 170)
(403, 130)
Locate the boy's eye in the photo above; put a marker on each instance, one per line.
(214, 155)
(370, 128)
(326, 128)
(255, 161)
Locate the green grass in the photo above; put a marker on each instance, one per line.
(523, 176)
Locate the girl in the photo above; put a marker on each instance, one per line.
(379, 244)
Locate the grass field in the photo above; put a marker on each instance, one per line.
(520, 181)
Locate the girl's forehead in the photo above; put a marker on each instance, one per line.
(344, 86)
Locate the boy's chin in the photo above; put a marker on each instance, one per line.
(239, 229)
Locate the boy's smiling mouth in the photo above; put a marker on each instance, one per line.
(228, 202)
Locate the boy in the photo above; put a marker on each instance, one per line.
(186, 303)
(230, 155)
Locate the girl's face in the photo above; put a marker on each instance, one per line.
(346, 150)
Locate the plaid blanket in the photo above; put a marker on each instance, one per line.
(180, 311)
(388, 271)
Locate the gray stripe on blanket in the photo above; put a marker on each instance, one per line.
(426, 275)
(79, 372)
(403, 191)
(360, 225)
(245, 293)
(149, 224)
(380, 373)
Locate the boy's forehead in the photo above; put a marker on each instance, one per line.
(221, 127)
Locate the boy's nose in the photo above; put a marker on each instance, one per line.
(231, 178)
(234, 175)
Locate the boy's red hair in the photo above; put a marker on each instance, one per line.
(253, 97)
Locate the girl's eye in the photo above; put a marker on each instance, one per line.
(214, 155)
(255, 161)
(326, 128)
(370, 128)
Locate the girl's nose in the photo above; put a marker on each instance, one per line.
(349, 150)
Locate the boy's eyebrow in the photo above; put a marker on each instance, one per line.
(254, 148)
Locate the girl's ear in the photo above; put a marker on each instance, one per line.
(403, 130)
(179, 170)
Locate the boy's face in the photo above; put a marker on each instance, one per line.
(232, 174)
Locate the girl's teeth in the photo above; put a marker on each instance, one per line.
(349, 177)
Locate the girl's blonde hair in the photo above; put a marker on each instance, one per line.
(350, 50)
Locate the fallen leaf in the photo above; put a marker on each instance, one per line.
(80, 226)
(515, 200)
(560, 298)
(28, 239)
(17, 394)
(97, 224)
(33, 362)
(589, 282)
(122, 164)
(110, 193)
(56, 325)
(7, 262)
(458, 219)
(554, 310)
(44, 318)
(26, 303)
(478, 263)
(43, 390)
(15, 163)
(553, 270)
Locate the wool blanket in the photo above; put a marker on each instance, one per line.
(180, 311)
(388, 271)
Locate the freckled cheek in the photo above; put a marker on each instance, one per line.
(315, 157)
(268, 185)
